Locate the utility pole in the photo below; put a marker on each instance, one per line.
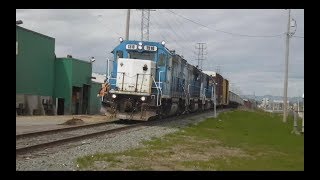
(215, 99)
(128, 24)
(145, 20)
(302, 130)
(200, 48)
(285, 100)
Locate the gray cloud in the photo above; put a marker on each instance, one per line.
(251, 64)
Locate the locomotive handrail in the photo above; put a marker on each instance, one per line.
(142, 81)
(204, 95)
(155, 83)
(160, 79)
(122, 80)
(131, 76)
(185, 94)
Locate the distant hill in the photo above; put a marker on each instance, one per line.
(259, 98)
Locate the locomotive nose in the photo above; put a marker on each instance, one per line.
(128, 106)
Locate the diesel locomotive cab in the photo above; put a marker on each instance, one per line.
(134, 92)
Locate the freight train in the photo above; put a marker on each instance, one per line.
(148, 80)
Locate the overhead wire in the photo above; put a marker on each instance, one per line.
(298, 36)
(177, 38)
(169, 35)
(230, 33)
(185, 35)
(100, 19)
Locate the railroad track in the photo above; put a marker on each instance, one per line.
(48, 139)
(30, 142)
(52, 131)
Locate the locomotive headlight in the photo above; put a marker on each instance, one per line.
(140, 43)
(114, 96)
(143, 98)
(140, 47)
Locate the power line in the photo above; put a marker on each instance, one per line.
(166, 34)
(186, 35)
(298, 36)
(221, 30)
(100, 19)
(174, 33)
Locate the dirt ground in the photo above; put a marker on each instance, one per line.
(173, 158)
(25, 124)
(61, 118)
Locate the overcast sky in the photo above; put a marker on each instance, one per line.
(252, 64)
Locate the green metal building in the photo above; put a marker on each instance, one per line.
(34, 63)
(49, 85)
(72, 85)
(95, 102)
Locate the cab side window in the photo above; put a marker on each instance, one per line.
(119, 54)
(162, 60)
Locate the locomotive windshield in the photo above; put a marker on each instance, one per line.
(144, 55)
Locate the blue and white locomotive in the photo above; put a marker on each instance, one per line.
(148, 80)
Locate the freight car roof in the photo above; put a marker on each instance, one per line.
(210, 73)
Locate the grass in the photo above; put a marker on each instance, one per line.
(237, 140)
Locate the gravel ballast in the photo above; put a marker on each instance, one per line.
(63, 159)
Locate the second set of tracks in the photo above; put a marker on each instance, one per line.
(30, 142)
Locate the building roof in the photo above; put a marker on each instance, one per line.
(73, 59)
(34, 32)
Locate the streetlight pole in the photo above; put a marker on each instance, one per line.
(286, 72)
(108, 70)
